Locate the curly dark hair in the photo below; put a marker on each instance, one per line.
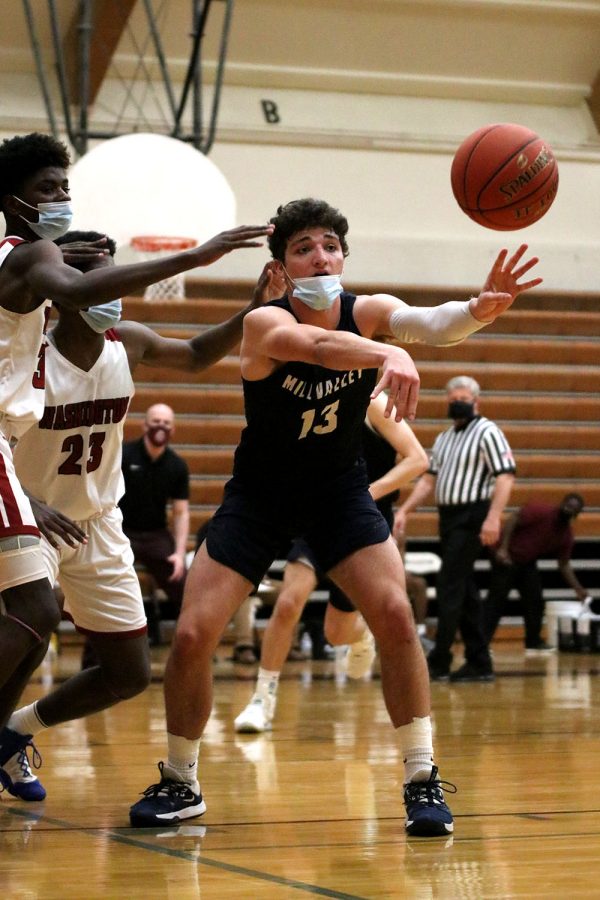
(306, 213)
(23, 156)
(574, 496)
(71, 236)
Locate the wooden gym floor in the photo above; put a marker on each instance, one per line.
(314, 809)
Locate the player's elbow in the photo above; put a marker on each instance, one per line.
(421, 463)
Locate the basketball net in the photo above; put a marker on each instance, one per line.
(153, 246)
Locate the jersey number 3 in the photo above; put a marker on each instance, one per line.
(327, 421)
(74, 446)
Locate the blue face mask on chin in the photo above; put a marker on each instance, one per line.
(101, 318)
(318, 292)
(54, 219)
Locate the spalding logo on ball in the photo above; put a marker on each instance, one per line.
(504, 177)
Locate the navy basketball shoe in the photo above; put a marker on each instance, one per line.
(167, 802)
(15, 772)
(427, 814)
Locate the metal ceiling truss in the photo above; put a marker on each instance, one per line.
(76, 95)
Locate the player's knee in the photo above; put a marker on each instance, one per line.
(193, 639)
(46, 620)
(124, 665)
(36, 655)
(396, 621)
(38, 612)
(289, 606)
(43, 648)
(132, 681)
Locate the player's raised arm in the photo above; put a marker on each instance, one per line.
(47, 275)
(148, 348)
(383, 316)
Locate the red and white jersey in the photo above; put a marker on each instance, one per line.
(72, 458)
(21, 361)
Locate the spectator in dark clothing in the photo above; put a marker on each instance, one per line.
(156, 476)
(534, 531)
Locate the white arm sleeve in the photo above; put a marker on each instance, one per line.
(443, 325)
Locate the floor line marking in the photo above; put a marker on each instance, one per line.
(190, 857)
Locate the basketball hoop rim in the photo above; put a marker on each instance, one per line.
(153, 243)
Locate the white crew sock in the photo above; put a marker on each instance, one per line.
(417, 749)
(267, 683)
(26, 720)
(183, 759)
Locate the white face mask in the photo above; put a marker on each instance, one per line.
(101, 318)
(54, 218)
(319, 291)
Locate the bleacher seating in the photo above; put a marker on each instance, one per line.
(539, 370)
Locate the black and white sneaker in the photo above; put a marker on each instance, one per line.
(427, 814)
(15, 770)
(167, 802)
(540, 649)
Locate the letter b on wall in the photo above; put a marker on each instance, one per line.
(270, 111)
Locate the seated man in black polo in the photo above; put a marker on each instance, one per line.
(156, 476)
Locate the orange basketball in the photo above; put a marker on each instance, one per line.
(504, 177)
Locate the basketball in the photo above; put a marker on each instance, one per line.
(504, 177)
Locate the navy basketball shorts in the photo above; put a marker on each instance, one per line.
(301, 552)
(335, 517)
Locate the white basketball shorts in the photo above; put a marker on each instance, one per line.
(101, 588)
(18, 564)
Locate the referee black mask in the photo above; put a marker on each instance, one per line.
(461, 409)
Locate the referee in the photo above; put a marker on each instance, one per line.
(472, 470)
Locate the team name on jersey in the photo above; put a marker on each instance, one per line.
(84, 414)
(320, 389)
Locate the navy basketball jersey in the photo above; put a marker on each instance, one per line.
(304, 421)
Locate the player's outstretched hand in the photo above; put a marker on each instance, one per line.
(270, 285)
(502, 285)
(226, 241)
(51, 522)
(400, 380)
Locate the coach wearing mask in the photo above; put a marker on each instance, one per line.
(472, 472)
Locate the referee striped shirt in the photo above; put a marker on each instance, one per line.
(467, 460)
